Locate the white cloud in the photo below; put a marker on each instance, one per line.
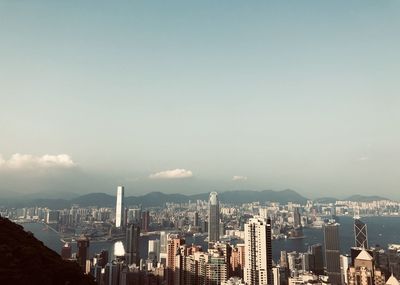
(364, 158)
(172, 174)
(63, 160)
(239, 178)
(23, 161)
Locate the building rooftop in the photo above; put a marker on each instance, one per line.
(392, 281)
(364, 255)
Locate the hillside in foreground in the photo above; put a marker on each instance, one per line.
(25, 260)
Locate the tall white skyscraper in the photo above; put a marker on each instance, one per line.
(258, 257)
(213, 217)
(163, 247)
(119, 208)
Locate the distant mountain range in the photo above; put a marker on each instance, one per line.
(157, 199)
(353, 198)
(364, 198)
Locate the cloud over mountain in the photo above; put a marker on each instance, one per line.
(29, 161)
(239, 178)
(172, 174)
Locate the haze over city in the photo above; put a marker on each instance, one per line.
(191, 97)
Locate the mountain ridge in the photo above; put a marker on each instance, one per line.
(365, 198)
(157, 199)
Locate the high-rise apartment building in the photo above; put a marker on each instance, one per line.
(237, 260)
(119, 208)
(145, 221)
(360, 234)
(332, 252)
(180, 267)
(213, 218)
(296, 218)
(173, 246)
(194, 267)
(344, 267)
(283, 261)
(133, 215)
(258, 252)
(154, 249)
(52, 217)
(216, 267)
(276, 272)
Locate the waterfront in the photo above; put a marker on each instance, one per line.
(381, 230)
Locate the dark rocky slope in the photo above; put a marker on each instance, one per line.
(25, 260)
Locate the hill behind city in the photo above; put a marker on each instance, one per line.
(158, 199)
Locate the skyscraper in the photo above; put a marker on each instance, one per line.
(132, 244)
(317, 252)
(213, 217)
(145, 221)
(172, 249)
(258, 256)
(119, 208)
(360, 234)
(332, 252)
(296, 218)
(344, 267)
(196, 221)
(163, 247)
(83, 244)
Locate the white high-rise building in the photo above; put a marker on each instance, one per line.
(119, 208)
(277, 275)
(258, 257)
(344, 267)
(154, 247)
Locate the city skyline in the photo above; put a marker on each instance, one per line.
(192, 97)
(200, 142)
(177, 247)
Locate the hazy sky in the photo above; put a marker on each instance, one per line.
(194, 96)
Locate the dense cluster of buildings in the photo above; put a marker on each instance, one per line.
(325, 265)
(172, 261)
(236, 245)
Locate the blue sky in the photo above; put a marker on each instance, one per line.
(280, 94)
